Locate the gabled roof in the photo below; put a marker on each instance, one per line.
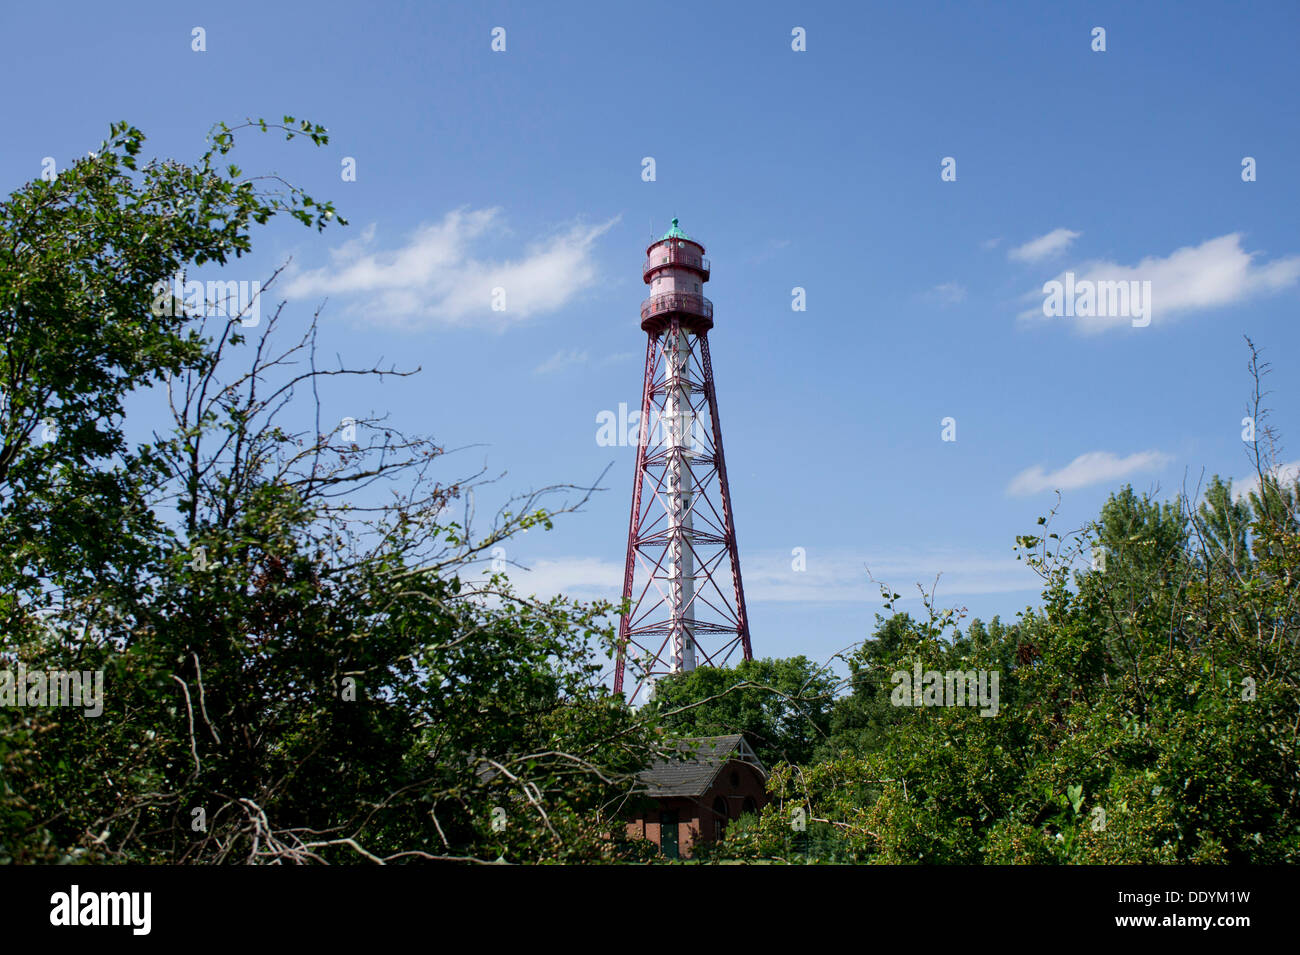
(705, 757)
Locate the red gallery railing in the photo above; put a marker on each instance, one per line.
(667, 302)
(675, 255)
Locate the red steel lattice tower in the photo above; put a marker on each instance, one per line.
(682, 575)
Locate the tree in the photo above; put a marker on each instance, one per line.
(1147, 709)
(79, 258)
(782, 705)
(299, 668)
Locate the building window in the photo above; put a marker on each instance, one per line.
(750, 806)
(719, 816)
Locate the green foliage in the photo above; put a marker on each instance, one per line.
(783, 706)
(1147, 710)
(78, 259)
(294, 672)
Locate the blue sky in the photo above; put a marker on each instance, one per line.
(818, 169)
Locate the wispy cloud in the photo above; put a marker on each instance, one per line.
(834, 575)
(1044, 247)
(1095, 467)
(439, 275)
(562, 359)
(948, 293)
(584, 578)
(769, 250)
(840, 575)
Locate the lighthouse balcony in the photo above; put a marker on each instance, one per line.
(678, 256)
(659, 307)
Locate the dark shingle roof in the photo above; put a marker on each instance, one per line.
(704, 759)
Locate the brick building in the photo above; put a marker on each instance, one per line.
(691, 799)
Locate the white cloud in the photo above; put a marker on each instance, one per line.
(990, 243)
(1215, 273)
(1286, 474)
(438, 278)
(1044, 247)
(562, 359)
(1095, 467)
(831, 576)
(586, 578)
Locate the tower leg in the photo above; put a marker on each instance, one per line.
(634, 522)
(724, 487)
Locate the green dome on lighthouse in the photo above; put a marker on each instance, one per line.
(675, 232)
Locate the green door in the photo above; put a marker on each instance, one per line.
(668, 833)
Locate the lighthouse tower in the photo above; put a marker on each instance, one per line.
(682, 575)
